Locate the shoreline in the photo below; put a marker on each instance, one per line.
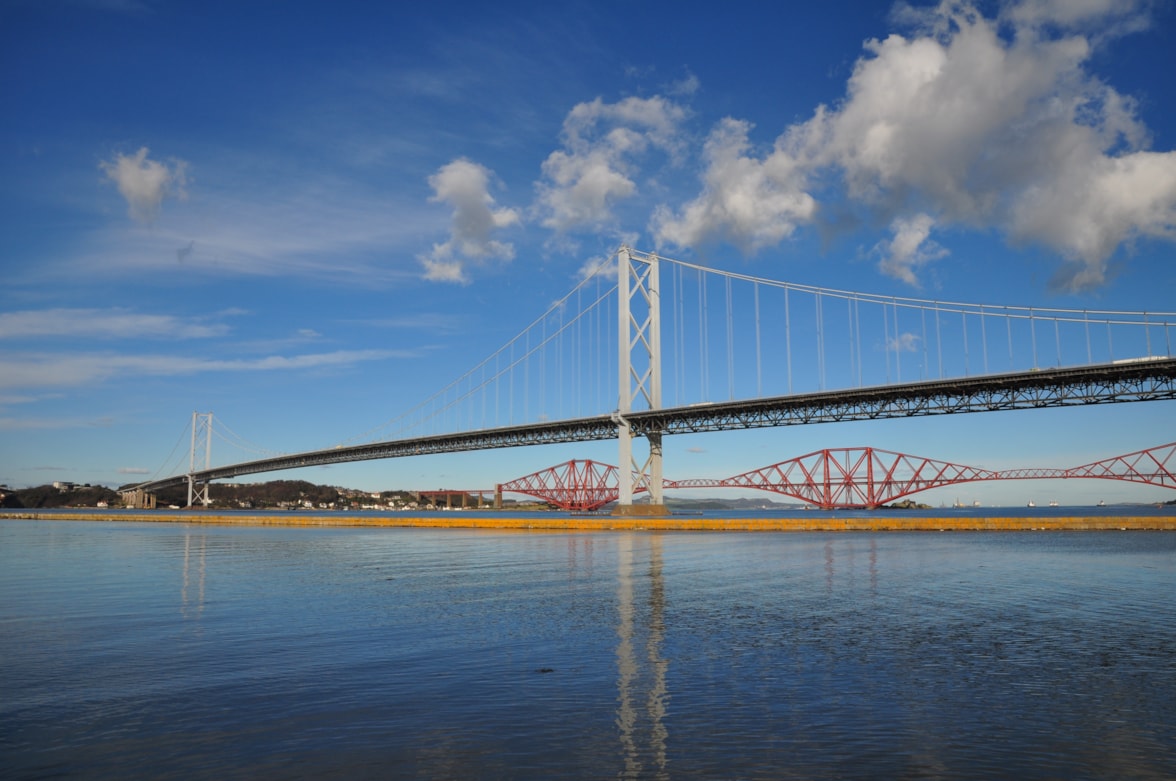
(880, 523)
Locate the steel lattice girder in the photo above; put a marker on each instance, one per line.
(869, 477)
(1154, 466)
(1108, 383)
(573, 485)
(855, 477)
(578, 430)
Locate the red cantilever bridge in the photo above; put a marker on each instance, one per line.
(842, 478)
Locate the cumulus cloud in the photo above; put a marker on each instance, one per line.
(595, 169)
(464, 185)
(146, 183)
(967, 120)
(1098, 205)
(752, 203)
(910, 248)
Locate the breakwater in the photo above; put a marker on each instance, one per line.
(881, 522)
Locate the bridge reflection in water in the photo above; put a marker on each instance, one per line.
(192, 604)
(263, 652)
(641, 678)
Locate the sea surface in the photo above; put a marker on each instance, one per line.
(766, 511)
(141, 650)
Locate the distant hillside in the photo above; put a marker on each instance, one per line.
(43, 496)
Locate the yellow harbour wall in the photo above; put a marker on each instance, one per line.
(807, 523)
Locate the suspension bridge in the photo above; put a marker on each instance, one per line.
(647, 346)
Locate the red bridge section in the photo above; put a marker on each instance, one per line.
(849, 477)
(843, 478)
(580, 486)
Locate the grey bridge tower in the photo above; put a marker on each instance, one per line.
(640, 377)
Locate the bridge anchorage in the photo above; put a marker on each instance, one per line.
(895, 357)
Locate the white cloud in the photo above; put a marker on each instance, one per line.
(603, 266)
(749, 202)
(594, 170)
(685, 87)
(145, 183)
(57, 369)
(959, 124)
(1092, 208)
(103, 324)
(910, 248)
(444, 271)
(337, 231)
(32, 424)
(10, 400)
(1115, 17)
(464, 185)
(133, 470)
(905, 342)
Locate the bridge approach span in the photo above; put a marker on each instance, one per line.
(1144, 380)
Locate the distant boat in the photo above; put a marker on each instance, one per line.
(1053, 502)
(1101, 503)
(976, 503)
(958, 504)
(1031, 503)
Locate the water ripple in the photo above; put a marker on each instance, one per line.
(152, 651)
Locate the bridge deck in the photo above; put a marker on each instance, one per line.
(1149, 380)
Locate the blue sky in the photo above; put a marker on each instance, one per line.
(308, 217)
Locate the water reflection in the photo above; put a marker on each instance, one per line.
(413, 653)
(641, 734)
(196, 609)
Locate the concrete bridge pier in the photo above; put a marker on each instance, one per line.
(139, 499)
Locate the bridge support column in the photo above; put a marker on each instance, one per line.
(198, 492)
(139, 500)
(201, 436)
(639, 375)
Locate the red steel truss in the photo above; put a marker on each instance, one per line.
(846, 478)
(1154, 466)
(580, 486)
(841, 478)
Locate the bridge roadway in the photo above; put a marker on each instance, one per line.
(1138, 380)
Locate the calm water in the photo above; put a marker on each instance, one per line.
(162, 651)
